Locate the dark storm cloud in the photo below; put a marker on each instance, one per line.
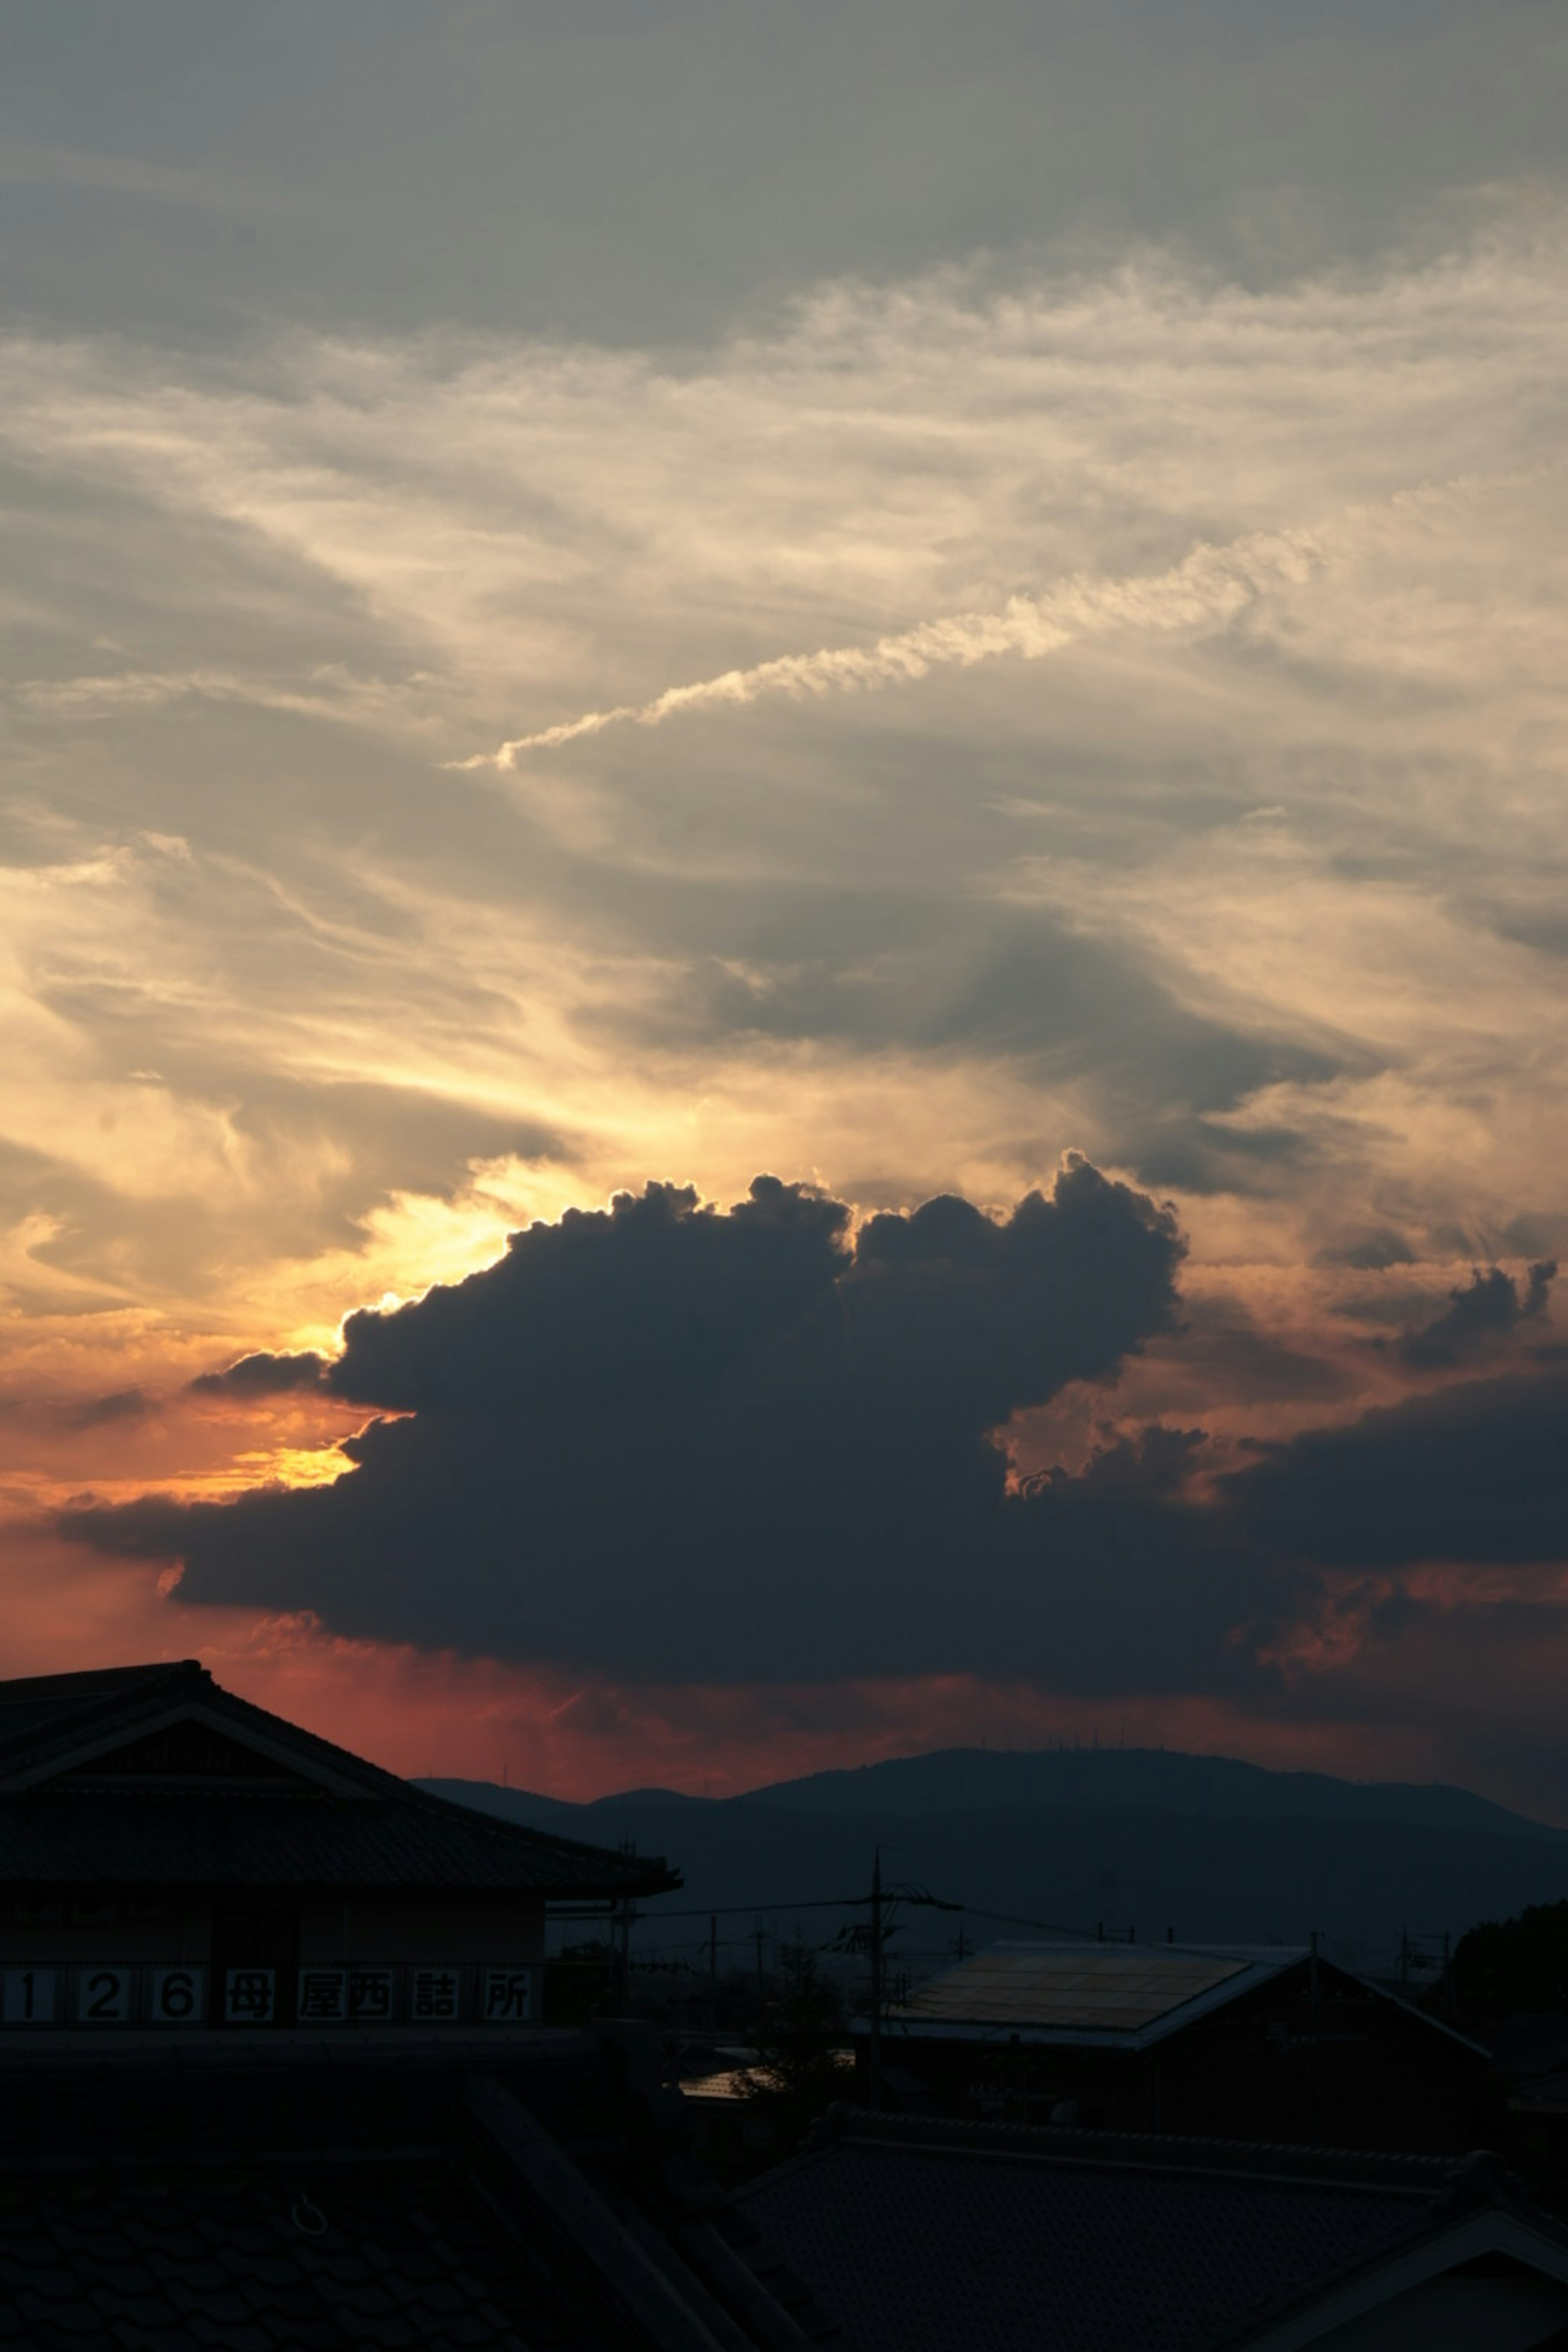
(1476, 1471)
(1374, 1252)
(123, 1404)
(262, 1375)
(695, 1445)
(668, 1442)
(1483, 1311)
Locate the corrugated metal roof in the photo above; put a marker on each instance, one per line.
(1109, 1996)
(1116, 1994)
(1084, 1987)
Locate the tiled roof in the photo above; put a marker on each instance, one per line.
(529, 2196)
(928, 2237)
(173, 1841)
(363, 1828)
(326, 2259)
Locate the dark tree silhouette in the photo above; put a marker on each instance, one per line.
(797, 2070)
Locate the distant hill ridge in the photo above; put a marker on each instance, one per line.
(967, 1779)
(987, 1780)
(1124, 1838)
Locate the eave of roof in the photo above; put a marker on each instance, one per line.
(171, 1840)
(1393, 2172)
(57, 1721)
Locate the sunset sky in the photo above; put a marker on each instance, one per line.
(617, 597)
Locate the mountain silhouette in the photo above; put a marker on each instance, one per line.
(1126, 1840)
(968, 1779)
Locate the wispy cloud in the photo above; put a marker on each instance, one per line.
(1301, 547)
(1209, 587)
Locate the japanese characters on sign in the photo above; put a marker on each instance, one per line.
(509, 1996)
(249, 1996)
(370, 1996)
(435, 1997)
(322, 1996)
(354, 1994)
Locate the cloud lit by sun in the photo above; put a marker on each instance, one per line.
(998, 613)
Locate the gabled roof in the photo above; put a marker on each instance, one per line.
(1106, 1996)
(928, 2236)
(55, 1724)
(154, 1775)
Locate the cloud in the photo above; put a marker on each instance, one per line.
(122, 1404)
(1474, 1472)
(262, 1374)
(662, 1440)
(1210, 587)
(1488, 1309)
(640, 171)
(1213, 900)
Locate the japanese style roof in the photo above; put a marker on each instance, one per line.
(388, 2256)
(330, 2200)
(935, 2237)
(1109, 1996)
(155, 1776)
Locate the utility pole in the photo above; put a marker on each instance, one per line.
(874, 2077)
(618, 1953)
(757, 1931)
(1314, 2090)
(713, 1952)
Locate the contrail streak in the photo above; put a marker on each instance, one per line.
(1213, 584)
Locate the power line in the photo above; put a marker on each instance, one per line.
(918, 1895)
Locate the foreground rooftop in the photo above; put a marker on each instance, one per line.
(154, 1775)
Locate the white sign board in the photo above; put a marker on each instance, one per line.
(28, 1997)
(355, 1994)
(104, 1995)
(179, 1996)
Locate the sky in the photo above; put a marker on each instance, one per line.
(782, 876)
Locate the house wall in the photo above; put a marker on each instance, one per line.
(1458, 2312)
(421, 1926)
(92, 1925)
(121, 1926)
(1340, 2068)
